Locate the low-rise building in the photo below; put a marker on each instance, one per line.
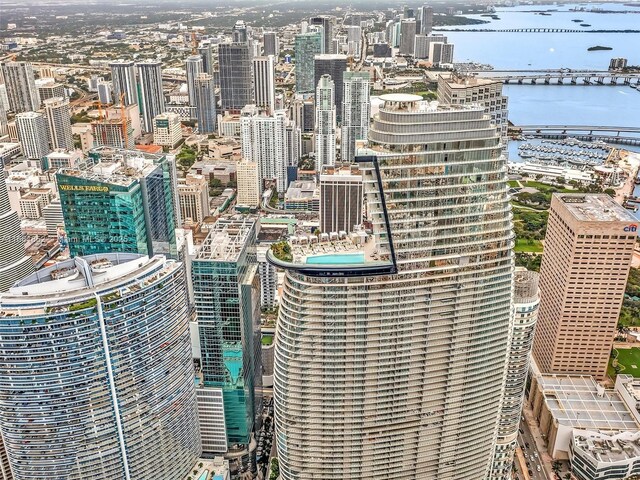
(167, 130)
(599, 456)
(302, 195)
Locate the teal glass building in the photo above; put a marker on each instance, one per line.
(123, 201)
(227, 300)
(307, 46)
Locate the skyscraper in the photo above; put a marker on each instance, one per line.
(236, 81)
(227, 300)
(151, 94)
(121, 405)
(334, 65)
(325, 132)
(204, 50)
(307, 46)
(440, 53)
(167, 130)
(327, 28)
(123, 203)
(21, 87)
(270, 44)
(587, 253)
(356, 112)
(123, 77)
(33, 134)
(426, 20)
(526, 301)
(239, 33)
(205, 103)
(194, 67)
(407, 36)
(104, 92)
(248, 179)
(264, 76)
(341, 199)
(14, 263)
(59, 120)
(396, 360)
(263, 140)
(193, 197)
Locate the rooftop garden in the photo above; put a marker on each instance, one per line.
(282, 251)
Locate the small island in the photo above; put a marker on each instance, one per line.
(577, 20)
(597, 48)
(585, 24)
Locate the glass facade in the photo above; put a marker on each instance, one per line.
(404, 372)
(307, 46)
(227, 299)
(119, 211)
(96, 377)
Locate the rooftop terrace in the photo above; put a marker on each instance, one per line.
(595, 208)
(608, 448)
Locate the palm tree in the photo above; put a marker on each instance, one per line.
(567, 476)
(555, 466)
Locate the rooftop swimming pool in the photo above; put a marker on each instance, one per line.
(204, 475)
(336, 259)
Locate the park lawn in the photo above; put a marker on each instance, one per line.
(525, 246)
(267, 340)
(513, 183)
(543, 187)
(629, 360)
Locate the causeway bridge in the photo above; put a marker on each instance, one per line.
(609, 134)
(562, 77)
(531, 30)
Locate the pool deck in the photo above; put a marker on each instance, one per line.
(301, 253)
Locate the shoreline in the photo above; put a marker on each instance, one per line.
(630, 163)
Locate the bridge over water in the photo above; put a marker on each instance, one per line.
(531, 30)
(563, 77)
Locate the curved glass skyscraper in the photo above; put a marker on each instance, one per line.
(391, 347)
(96, 376)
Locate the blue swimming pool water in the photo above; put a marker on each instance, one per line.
(336, 259)
(204, 475)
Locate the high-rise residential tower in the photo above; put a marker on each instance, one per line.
(325, 131)
(264, 76)
(227, 301)
(205, 51)
(121, 404)
(248, 179)
(391, 351)
(341, 199)
(356, 113)
(193, 66)
(426, 20)
(327, 28)
(33, 134)
(407, 36)
(335, 66)
(125, 202)
(307, 46)
(236, 80)
(587, 254)
(270, 44)
(14, 263)
(59, 120)
(526, 301)
(21, 87)
(123, 77)
(151, 94)
(264, 142)
(205, 103)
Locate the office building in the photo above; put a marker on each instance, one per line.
(526, 301)
(335, 66)
(263, 140)
(151, 94)
(21, 87)
(193, 198)
(14, 263)
(440, 53)
(264, 76)
(125, 86)
(125, 202)
(122, 403)
(407, 36)
(587, 254)
(104, 92)
(205, 51)
(167, 130)
(213, 428)
(302, 113)
(325, 132)
(239, 32)
(33, 134)
(205, 98)
(193, 65)
(48, 88)
(356, 113)
(302, 195)
(63, 159)
(427, 297)
(341, 199)
(54, 220)
(227, 302)
(268, 285)
(59, 119)
(461, 89)
(307, 46)
(270, 44)
(327, 31)
(236, 80)
(249, 184)
(112, 133)
(596, 455)
(426, 20)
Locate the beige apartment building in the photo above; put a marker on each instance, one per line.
(587, 254)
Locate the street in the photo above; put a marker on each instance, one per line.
(528, 446)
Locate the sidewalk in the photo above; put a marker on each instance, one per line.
(541, 444)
